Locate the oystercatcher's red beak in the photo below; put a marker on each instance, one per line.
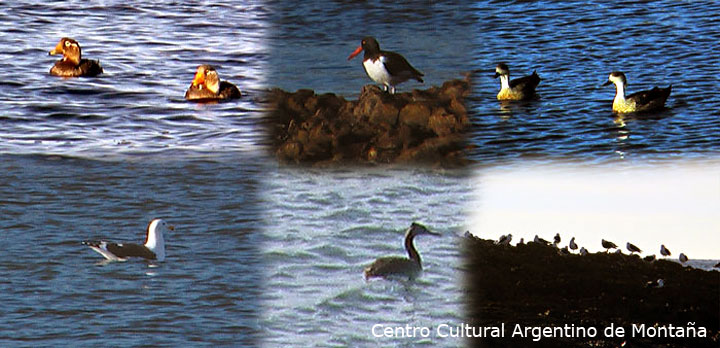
(355, 53)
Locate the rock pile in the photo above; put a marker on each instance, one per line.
(422, 126)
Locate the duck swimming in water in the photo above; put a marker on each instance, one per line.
(518, 89)
(206, 86)
(642, 101)
(400, 266)
(72, 64)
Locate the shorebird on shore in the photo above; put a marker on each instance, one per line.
(505, 239)
(386, 68)
(664, 251)
(632, 248)
(572, 244)
(683, 258)
(608, 245)
(583, 251)
(540, 240)
(556, 239)
(649, 258)
(655, 283)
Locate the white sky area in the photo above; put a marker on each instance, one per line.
(676, 204)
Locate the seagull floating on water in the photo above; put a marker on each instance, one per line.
(608, 245)
(153, 249)
(664, 251)
(632, 248)
(400, 266)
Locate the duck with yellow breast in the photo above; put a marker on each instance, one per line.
(518, 89)
(206, 86)
(72, 64)
(643, 101)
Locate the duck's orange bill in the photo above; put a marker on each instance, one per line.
(199, 78)
(355, 53)
(57, 50)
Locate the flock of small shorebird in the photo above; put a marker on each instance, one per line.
(607, 245)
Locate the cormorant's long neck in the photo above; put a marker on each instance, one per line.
(412, 253)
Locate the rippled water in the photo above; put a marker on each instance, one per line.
(149, 52)
(54, 293)
(309, 44)
(324, 227)
(574, 46)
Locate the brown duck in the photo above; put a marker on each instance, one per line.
(207, 86)
(72, 64)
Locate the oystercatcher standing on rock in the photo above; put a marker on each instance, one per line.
(383, 67)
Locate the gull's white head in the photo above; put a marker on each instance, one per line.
(155, 240)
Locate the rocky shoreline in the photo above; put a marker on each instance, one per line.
(534, 285)
(422, 126)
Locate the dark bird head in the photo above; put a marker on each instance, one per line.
(616, 77)
(368, 44)
(501, 69)
(417, 229)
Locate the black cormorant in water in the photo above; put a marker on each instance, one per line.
(401, 266)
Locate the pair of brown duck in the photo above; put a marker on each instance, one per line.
(644, 101)
(206, 86)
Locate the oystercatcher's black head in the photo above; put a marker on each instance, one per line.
(369, 45)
